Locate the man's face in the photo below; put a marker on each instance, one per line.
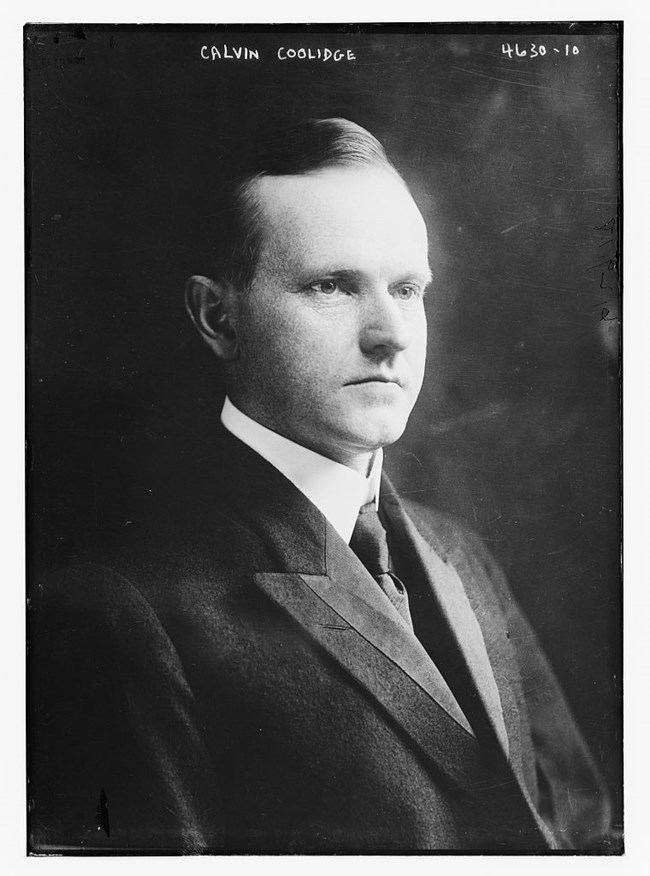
(332, 332)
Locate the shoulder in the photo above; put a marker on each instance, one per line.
(88, 610)
(450, 530)
(460, 545)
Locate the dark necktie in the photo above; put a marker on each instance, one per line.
(371, 546)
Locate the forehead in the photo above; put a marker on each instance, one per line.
(346, 217)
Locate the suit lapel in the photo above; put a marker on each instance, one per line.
(375, 650)
(300, 541)
(453, 604)
(484, 641)
(327, 590)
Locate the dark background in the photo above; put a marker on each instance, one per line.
(515, 164)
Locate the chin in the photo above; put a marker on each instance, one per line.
(373, 434)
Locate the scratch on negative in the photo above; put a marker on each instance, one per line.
(479, 788)
(58, 98)
(522, 84)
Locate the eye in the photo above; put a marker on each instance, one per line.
(407, 292)
(325, 287)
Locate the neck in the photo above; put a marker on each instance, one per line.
(359, 461)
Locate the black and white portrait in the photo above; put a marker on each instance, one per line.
(323, 420)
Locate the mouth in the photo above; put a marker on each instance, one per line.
(377, 378)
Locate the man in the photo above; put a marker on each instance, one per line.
(282, 654)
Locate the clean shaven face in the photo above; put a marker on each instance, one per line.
(332, 332)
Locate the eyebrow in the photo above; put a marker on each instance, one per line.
(354, 275)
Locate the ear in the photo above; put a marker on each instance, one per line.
(212, 308)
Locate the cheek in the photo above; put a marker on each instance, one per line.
(418, 351)
(283, 349)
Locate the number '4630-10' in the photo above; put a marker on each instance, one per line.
(534, 51)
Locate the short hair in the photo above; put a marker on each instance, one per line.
(301, 149)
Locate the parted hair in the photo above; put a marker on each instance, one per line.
(300, 149)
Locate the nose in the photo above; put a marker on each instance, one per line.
(383, 329)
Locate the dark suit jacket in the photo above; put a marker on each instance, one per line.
(228, 677)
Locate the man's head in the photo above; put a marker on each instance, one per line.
(316, 305)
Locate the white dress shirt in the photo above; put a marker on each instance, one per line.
(336, 490)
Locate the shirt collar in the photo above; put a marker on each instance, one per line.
(336, 490)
